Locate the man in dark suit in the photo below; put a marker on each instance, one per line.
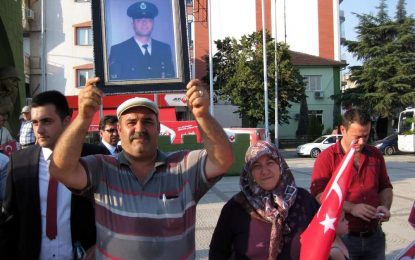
(36, 220)
(141, 57)
(109, 134)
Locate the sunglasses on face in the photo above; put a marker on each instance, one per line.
(111, 130)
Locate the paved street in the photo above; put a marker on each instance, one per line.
(398, 232)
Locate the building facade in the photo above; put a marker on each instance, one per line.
(61, 48)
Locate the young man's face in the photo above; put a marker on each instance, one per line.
(139, 130)
(47, 125)
(359, 133)
(143, 26)
(110, 134)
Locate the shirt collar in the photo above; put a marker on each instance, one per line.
(161, 158)
(140, 44)
(47, 152)
(109, 147)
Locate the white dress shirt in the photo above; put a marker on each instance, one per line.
(143, 50)
(61, 246)
(110, 147)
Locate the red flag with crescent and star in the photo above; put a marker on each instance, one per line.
(9, 147)
(317, 239)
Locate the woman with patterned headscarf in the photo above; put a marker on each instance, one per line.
(266, 218)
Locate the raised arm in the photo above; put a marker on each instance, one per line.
(219, 150)
(65, 165)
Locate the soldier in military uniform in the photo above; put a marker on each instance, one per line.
(141, 57)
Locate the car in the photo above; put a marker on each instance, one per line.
(314, 148)
(388, 145)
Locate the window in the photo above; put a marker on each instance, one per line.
(313, 83)
(331, 140)
(82, 76)
(83, 33)
(189, 2)
(83, 36)
(189, 34)
(83, 72)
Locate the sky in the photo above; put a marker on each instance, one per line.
(365, 7)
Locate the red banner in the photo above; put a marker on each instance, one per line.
(408, 253)
(9, 147)
(411, 218)
(176, 130)
(317, 239)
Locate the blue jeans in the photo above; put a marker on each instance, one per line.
(367, 248)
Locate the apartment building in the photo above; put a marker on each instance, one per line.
(61, 47)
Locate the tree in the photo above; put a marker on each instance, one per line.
(302, 128)
(386, 48)
(238, 74)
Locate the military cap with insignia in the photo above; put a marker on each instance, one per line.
(142, 10)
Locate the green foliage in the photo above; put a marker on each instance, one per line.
(302, 127)
(315, 128)
(386, 48)
(238, 73)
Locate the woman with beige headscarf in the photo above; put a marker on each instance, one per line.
(265, 219)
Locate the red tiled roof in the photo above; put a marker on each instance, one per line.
(302, 59)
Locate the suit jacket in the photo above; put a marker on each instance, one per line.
(109, 152)
(127, 62)
(20, 219)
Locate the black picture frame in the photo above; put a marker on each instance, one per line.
(111, 26)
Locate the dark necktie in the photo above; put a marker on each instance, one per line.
(51, 218)
(146, 53)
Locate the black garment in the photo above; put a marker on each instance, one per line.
(20, 217)
(127, 62)
(118, 148)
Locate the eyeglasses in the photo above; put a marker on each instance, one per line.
(111, 130)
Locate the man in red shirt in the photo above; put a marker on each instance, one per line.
(369, 197)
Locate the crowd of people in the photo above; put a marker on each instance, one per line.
(126, 199)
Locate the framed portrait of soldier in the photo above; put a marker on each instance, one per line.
(140, 46)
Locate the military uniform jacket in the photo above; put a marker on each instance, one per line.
(127, 62)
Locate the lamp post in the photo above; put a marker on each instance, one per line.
(276, 76)
(264, 54)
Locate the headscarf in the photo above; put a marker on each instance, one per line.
(272, 206)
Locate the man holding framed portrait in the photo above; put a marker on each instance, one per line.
(141, 56)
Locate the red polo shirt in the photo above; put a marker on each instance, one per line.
(366, 184)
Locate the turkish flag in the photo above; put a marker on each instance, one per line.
(316, 240)
(411, 218)
(408, 253)
(9, 147)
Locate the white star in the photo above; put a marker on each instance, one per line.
(328, 223)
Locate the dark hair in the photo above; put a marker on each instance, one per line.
(107, 120)
(55, 98)
(356, 115)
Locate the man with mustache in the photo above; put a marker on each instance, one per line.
(145, 200)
